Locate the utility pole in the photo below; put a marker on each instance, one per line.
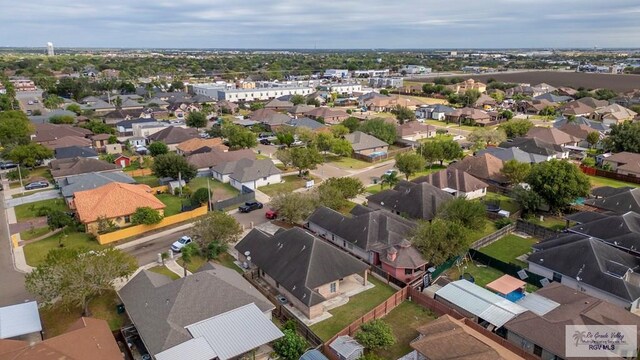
(180, 182)
(20, 176)
(209, 190)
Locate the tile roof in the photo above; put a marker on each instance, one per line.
(453, 179)
(551, 135)
(484, 167)
(361, 141)
(74, 151)
(113, 200)
(194, 144)
(70, 185)
(174, 135)
(77, 166)
(216, 157)
(299, 261)
(418, 201)
(246, 169)
(161, 308)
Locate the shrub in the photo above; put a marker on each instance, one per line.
(376, 334)
(502, 222)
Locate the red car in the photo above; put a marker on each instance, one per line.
(271, 214)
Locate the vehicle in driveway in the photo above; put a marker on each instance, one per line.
(182, 242)
(265, 142)
(250, 206)
(7, 165)
(36, 185)
(271, 214)
(390, 172)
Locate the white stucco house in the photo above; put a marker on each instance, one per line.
(247, 172)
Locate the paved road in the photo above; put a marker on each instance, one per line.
(368, 176)
(12, 289)
(39, 196)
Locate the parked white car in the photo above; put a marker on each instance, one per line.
(182, 242)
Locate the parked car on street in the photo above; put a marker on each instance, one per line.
(265, 142)
(390, 172)
(250, 206)
(271, 214)
(36, 185)
(182, 242)
(7, 165)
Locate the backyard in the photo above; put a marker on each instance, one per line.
(505, 202)
(509, 247)
(404, 321)
(489, 228)
(150, 180)
(550, 222)
(426, 171)
(219, 190)
(357, 306)
(289, 184)
(481, 273)
(173, 203)
(37, 251)
(29, 211)
(597, 181)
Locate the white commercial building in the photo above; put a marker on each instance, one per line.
(342, 88)
(257, 94)
(415, 69)
(381, 82)
(211, 89)
(371, 73)
(336, 73)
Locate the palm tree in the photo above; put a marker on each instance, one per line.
(188, 252)
(390, 179)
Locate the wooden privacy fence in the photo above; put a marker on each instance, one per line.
(140, 172)
(609, 174)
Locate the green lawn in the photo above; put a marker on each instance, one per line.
(347, 162)
(41, 172)
(289, 184)
(452, 125)
(195, 264)
(36, 252)
(550, 222)
(505, 202)
(56, 320)
(173, 203)
(482, 274)
(404, 321)
(225, 259)
(34, 233)
(509, 247)
(219, 190)
(428, 170)
(489, 228)
(29, 211)
(150, 180)
(597, 181)
(357, 306)
(165, 271)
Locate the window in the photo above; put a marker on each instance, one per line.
(537, 350)
(332, 287)
(127, 219)
(557, 277)
(408, 271)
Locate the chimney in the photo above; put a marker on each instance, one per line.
(392, 253)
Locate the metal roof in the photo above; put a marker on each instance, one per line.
(537, 304)
(480, 302)
(194, 349)
(345, 346)
(19, 319)
(313, 355)
(237, 331)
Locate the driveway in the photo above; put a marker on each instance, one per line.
(27, 225)
(39, 196)
(369, 175)
(13, 290)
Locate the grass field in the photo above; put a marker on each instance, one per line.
(482, 274)
(505, 202)
(489, 228)
(597, 181)
(427, 170)
(29, 211)
(550, 222)
(173, 203)
(36, 252)
(195, 264)
(357, 306)
(289, 184)
(404, 321)
(165, 271)
(219, 190)
(150, 180)
(34, 233)
(56, 320)
(509, 248)
(347, 162)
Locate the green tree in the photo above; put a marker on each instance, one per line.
(112, 139)
(341, 147)
(439, 239)
(52, 101)
(196, 119)
(347, 187)
(256, 106)
(470, 214)
(409, 163)
(217, 227)
(624, 137)
(298, 99)
(56, 219)
(176, 85)
(339, 130)
(516, 128)
(470, 97)
(291, 346)
(285, 138)
(351, 123)
(29, 154)
(593, 138)
(528, 199)
(390, 179)
(200, 196)
(62, 119)
(294, 207)
(515, 171)
(451, 150)
(376, 335)
(380, 129)
(15, 127)
(558, 182)
(323, 141)
(75, 108)
(172, 164)
(146, 216)
(158, 148)
(484, 137)
(589, 161)
(548, 111)
(305, 158)
(187, 254)
(431, 151)
(605, 94)
(239, 137)
(284, 155)
(98, 127)
(330, 197)
(404, 114)
(72, 277)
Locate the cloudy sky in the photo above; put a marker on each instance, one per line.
(321, 24)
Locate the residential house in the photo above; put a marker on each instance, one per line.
(74, 152)
(272, 119)
(121, 160)
(307, 271)
(77, 166)
(580, 132)
(626, 163)
(206, 160)
(553, 136)
(593, 102)
(173, 135)
(113, 149)
(211, 314)
(278, 105)
(541, 330)
(72, 184)
(553, 98)
(601, 270)
(92, 103)
(413, 200)
(181, 110)
(628, 99)
(20, 322)
(514, 153)
(117, 116)
(456, 182)
(414, 131)
(306, 123)
(378, 237)
(114, 202)
(533, 145)
(248, 173)
(136, 141)
(367, 145)
(299, 110)
(485, 102)
(68, 141)
(99, 141)
(469, 84)
(328, 115)
(614, 114)
(576, 108)
(485, 167)
(191, 146)
(50, 134)
(534, 106)
(435, 112)
(566, 91)
(226, 106)
(469, 116)
(125, 127)
(447, 338)
(87, 338)
(615, 227)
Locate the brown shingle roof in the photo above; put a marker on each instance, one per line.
(551, 135)
(194, 144)
(49, 132)
(579, 131)
(174, 135)
(453, 179)
(67, 141)
(215, 157)
(78, 165)
(114, 200)
(485, 167)
(413, 127)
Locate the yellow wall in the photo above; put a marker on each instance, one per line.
(141, 229)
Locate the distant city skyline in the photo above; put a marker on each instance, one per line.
(303, 24)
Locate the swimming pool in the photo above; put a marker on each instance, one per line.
(378, 154)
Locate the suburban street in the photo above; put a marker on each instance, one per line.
(39, 196)
(12, 290)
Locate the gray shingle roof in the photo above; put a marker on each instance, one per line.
(75, 151)
(76, 166)
(174, 135)
(69, 185)
(620, 202)
(513, 153)
(533, 146)
(361, 141)
(160, 308)
(622, 231)
(306, 123)
(215, 157)
(418, 201)
(246, 169)
(299, 261)
(453, 179)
